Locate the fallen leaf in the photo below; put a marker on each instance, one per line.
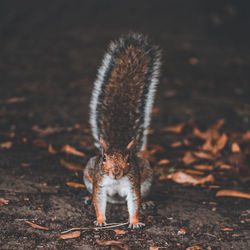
(154, 248)
(235, 147)
(203, 135)
(71, 150)
(72, 166)
(233, 193)
(193, 61)
(204, 167)
(225, 166)
(51, 149)
(25, 165)
(196, 172)
(50, 130)
(40, 143)
(157, 148)
(226, 229)
(176, 144)
(183, 178)
(163, 162)
(15, 100)
(194, 248)
(35, 225)
(174, 129)
(112, 243)
(75, 184)
(188, 158)
(204, 155)
(207, 146)
(220, 144)
(218, 124)
(72, 235)
(146, 155)
(119, 232)
(246, 136)
(7, 144)
(3, 202)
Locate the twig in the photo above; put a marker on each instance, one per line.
(111, 225)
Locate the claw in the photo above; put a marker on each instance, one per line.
(87, 200)
(136, 226)
(100, 224)
(147, 205)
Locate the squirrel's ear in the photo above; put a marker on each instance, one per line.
(103, 144)
(131, 145)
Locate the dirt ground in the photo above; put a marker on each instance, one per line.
(50, 51)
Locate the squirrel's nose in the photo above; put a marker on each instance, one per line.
(116, 171)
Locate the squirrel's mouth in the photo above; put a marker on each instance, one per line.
(116, 175)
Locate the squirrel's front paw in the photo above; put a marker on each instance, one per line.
(136, 225)
(99, 224)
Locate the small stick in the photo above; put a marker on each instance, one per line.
(111, 225)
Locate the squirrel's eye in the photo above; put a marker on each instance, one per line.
(104, 158)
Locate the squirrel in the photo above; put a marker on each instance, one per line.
(120, 114)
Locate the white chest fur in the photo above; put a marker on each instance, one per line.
(112, 186)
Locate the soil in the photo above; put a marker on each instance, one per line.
(50, 51)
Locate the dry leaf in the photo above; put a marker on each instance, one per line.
(146, 155)
(3, 202)
(207, 146)
(156, 148)
(6, 144)
(51, 149)
(35, 225)
(75, 184)
(163, 162)
(119, 232)
(225, 166)
(72, 166)
(25, 165)
(203, 135)
(183, 178)
(194, 248)
(226, 229)
(50, 130)
(72, 235)
(233, 193)
(191, 171)
(219, 124)
(188, 158)
(220, 144)
(246, 136)
(204, 155)
(154, 248)
(112, 243)
(235, 147)
(204, 167)
(176, 144)
(15, 100)
(193, 61)
(71, 150)
(40, 143)
(174, 129)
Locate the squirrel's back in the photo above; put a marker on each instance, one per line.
(123, 94)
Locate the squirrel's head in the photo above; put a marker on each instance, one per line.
(114, 163)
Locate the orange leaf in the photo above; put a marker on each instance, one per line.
(163, 162)
(183, 178)
(193, 61)
(191, 171)
(226, 229)
(233, 193)
(194, 248)
(207, 146)
(176, 144)
(188, 158)
(246, 136)
(235, 147)
(219, 124)
(6, 144)
(204, 155)
(71, 150)
(15, 100)
(112, 243)
(204, 167)
(119, 232)
(220, 144)
(71, 166)
(174, 129)
(25, 165)
(156, 147)
(154, 248)
(3, 202)
(225, 166)
(51, 149)
(72, 235)
(75, 184)
(35, 225)
(49, 130)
